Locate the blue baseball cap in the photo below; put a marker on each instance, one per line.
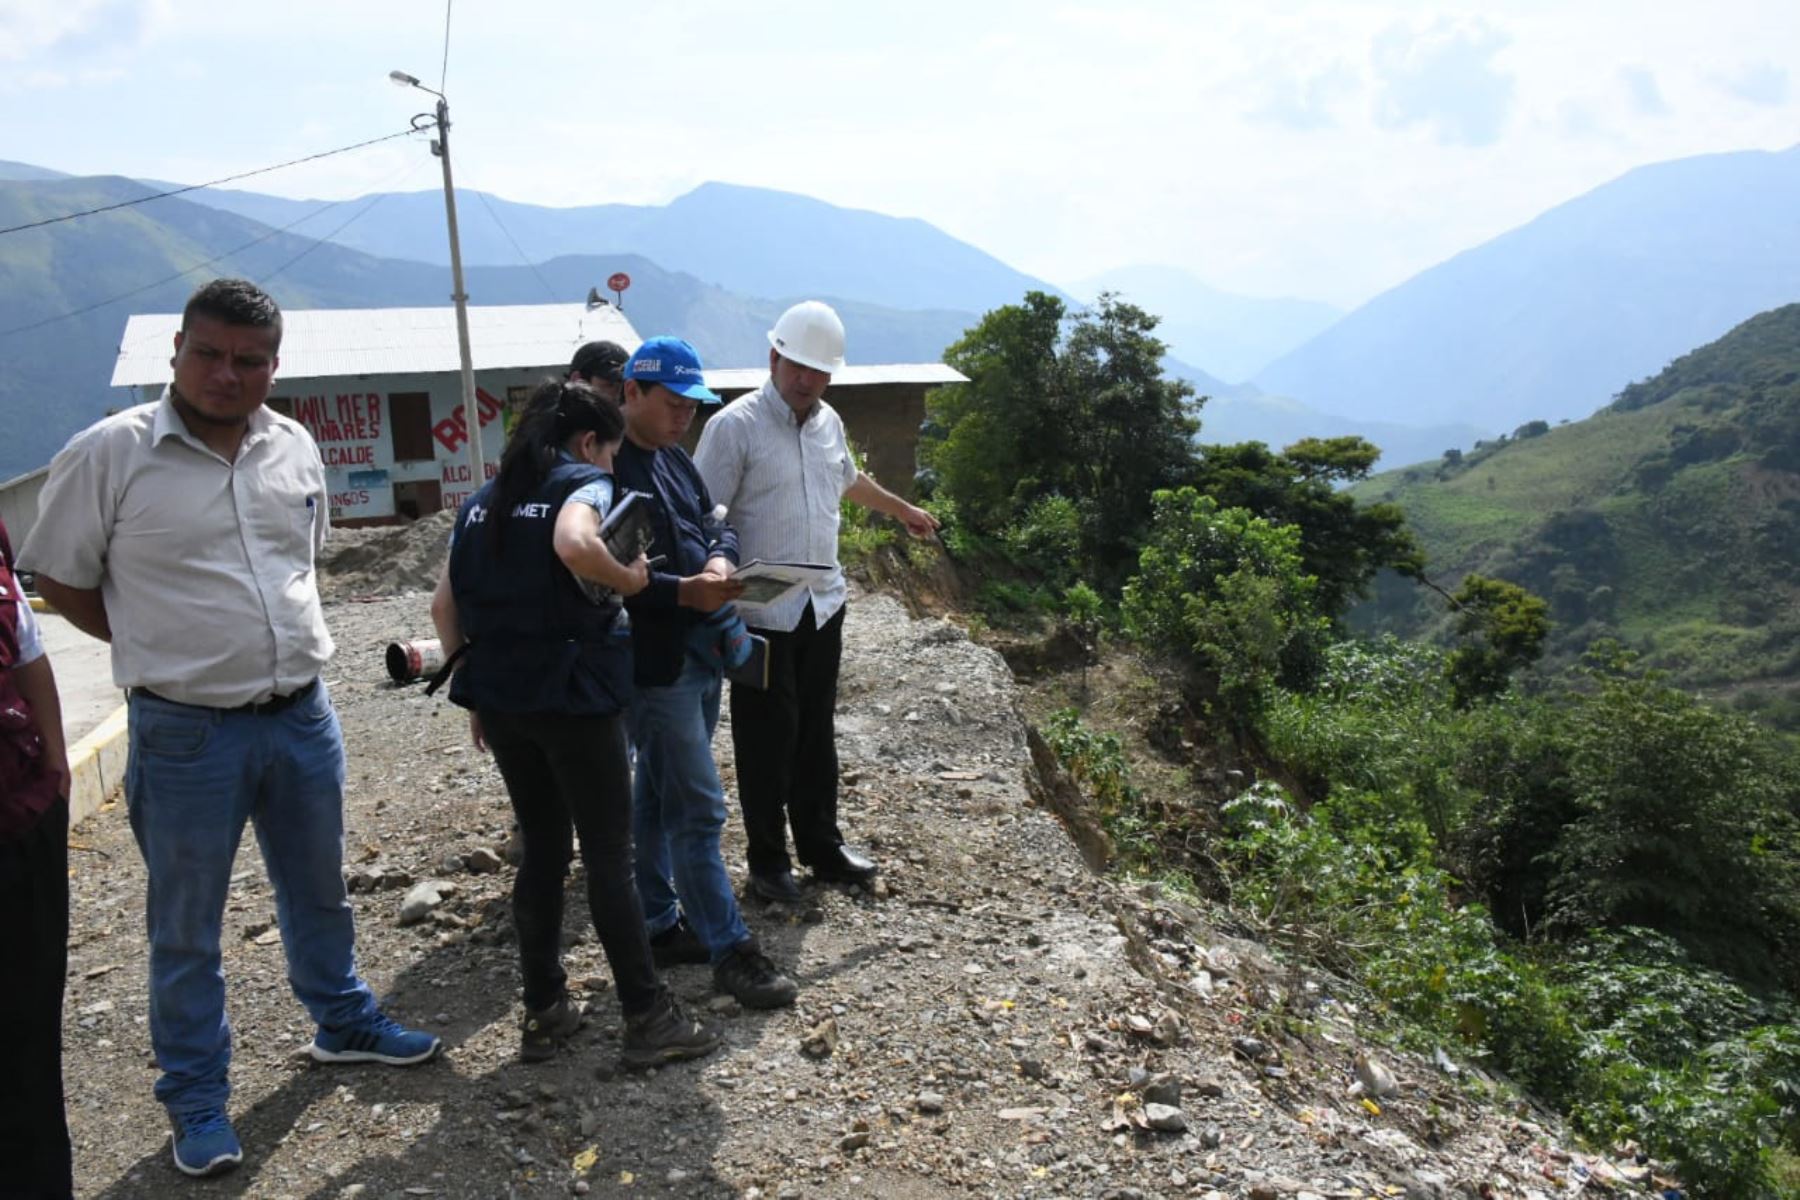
(673, 363)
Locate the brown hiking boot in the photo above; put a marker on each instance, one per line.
(665, 1034)
(543, 1030)
(748, 974)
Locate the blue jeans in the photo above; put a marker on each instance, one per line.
(678, 811)
(194, 776)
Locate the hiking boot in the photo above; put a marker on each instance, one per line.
(748, 974)
(376, 1039)
(204, 1143)
(664, 1034)
(545, 1029)
(678, 945)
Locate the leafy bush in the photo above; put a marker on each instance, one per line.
(1004, 601)
(1684, 821)
(1223, 590)
(861, 532)
(1627, 1033)
(1377, 721)
(1685, 1059)
(1096, 761)
(1047, 538)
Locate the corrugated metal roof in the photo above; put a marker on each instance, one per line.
(320, 343)
(855, 375)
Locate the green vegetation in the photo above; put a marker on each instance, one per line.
(1063, 432)
(1592, 885)
(1669, 521)
(861, 533)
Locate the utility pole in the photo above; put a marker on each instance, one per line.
(440, 146)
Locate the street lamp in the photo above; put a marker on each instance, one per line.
(440, 146)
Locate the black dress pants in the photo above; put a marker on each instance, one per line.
(570, 776)
(785, 742)
(35, 1162)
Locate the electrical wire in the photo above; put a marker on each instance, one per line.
(358, 215)
(542, 282)
(194, 187)
(188, 270)
(444, 74)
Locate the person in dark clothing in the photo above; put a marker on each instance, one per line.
(34, 903)
(600, 365)
(683, 633)
(544, 665)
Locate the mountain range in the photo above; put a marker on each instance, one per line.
(1230, 336)
(1549, 320)
(1543, 322)
(754, 241)
(1669, 520)
(58, 369)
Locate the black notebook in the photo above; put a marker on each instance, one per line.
(630, 527)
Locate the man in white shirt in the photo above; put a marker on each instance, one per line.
(778, 460)
(185, 533)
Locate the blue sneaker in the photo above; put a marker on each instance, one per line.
(204, 1142)
(376, 1039)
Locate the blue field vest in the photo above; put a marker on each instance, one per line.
(536, 643)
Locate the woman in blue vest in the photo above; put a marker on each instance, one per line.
(545, 668)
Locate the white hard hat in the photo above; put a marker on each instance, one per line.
(810, 334)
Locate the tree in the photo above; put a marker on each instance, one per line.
(1503, 627)
(1225, 592)
(988, 448)
(1060, 405)
(1342, 544)
(1686, 823)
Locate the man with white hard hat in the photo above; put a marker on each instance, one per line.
(778, 459)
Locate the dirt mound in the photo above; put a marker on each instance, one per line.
(385, 561)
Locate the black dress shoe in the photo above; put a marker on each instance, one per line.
(778, 887)
(844, 866)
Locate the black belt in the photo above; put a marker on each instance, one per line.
(257, 708)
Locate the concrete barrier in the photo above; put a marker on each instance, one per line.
(97, 767)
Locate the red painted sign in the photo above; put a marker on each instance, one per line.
(618, 281)
(453, 430)
(355, 417)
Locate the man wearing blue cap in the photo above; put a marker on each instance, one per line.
(683, 632)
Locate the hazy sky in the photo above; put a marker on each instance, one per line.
(1326, 150)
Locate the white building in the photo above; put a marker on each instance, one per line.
(380, 389)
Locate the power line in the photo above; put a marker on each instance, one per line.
(188, 270)
(444, 74)
(358, 215)
(548, 290)
(194, 187)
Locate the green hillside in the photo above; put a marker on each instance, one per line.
(1669, 520)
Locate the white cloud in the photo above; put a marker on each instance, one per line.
(1443, 76)
(1642, 90)
(1759, 83)
(1325, 148)
(1308, 102)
